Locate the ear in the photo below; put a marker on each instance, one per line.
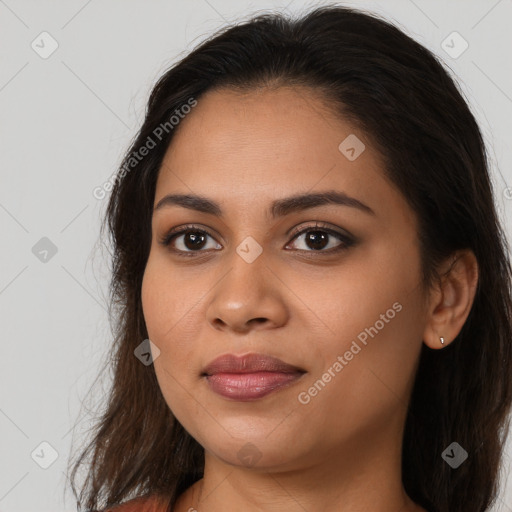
(451, 300)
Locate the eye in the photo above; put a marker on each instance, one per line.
(194, 239)
(318, 237)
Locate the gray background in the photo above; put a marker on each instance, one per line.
(65, 122)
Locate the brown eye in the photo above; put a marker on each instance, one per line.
(192, 240)
(321, 240)
(189, 239)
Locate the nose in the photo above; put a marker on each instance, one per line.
(247, 296)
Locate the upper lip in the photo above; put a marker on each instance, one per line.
(249, 363)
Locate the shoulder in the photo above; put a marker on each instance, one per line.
(151, 503)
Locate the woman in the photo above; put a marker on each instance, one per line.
(313, 283)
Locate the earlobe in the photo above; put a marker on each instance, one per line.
(451, 301)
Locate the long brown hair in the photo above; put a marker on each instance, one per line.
(402, 97)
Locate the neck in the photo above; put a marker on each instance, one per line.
(361, 476)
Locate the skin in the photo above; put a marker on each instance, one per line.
(342, 450)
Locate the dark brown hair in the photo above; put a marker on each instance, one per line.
(403, 99)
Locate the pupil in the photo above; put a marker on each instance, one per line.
(317, 239)
(196, 238)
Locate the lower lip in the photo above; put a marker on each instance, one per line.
(249, 386)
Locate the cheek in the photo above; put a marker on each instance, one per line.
(166, 311)
(369, 386)
(374, 315)
(367, 293)
(160, 304)
(171, 304)
(155, 301)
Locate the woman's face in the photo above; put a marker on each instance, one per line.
(347, 309)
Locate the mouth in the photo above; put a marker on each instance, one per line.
(249, 377)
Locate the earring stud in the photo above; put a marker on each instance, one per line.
(442, 340)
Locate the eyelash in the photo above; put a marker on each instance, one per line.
(346, 241)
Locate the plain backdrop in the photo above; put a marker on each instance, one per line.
(74, 80)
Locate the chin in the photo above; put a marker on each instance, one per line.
(257, 454)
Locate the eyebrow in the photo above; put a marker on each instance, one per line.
(278, 208)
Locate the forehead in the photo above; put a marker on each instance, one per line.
(269, 143)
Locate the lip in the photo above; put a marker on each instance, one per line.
(249, 377)
(248, 363)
